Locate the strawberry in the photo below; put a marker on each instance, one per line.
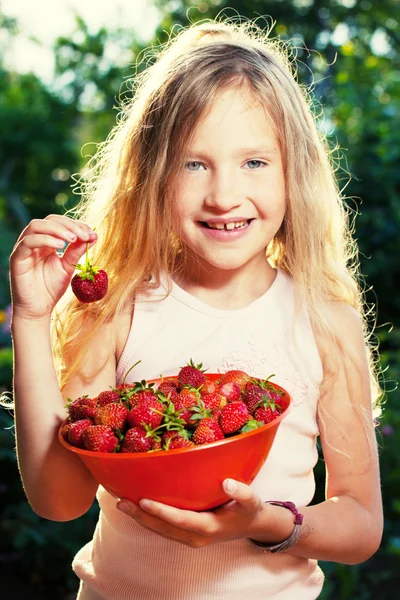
(191, 375)
(100, 438)
(268, 408)
(148, 411)
(114, 415)
(90, 284)
(189, 396)
(107, 397)
(209, 387)
(137, 440)
(253, 395)
(81, 408)
(213, 401)
(166, 386)
(266, 413)
(231, 391)
(239, 377)
(76, 431)
(207, 431)
(181, 442)
(168, 394)
(170, 435)
(233, 417)
(140, 391)
(257, 391)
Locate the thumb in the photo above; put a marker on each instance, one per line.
(74, 252)
(243, 495)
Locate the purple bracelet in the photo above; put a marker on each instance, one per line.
(293, 537)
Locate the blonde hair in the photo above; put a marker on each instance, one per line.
(128, 192)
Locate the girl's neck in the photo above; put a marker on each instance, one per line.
(230, 290)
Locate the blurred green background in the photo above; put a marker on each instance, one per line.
(349, 51)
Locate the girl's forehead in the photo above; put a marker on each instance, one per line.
(234, 113)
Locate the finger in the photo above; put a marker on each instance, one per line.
(59, 225)
(74, 253)
(204, 523)
(154, 523)
(243, 495)
(23, 249)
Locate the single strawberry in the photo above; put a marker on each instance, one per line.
(169, 436)
(76, 431)
(253, 395)
(189, 396)
(168, 394)
(209, 387)
(213, 401)
(256, 391)
(167, 385)
(100, 438)
(266, 413)
(141, 390)
(191, 375)
(269, 408)
(207, 431)
(137, 439)
(233, 416)
(239, 377)
(231, 391)
(81, 408)
(108, 397)
(148, 411)
(181, 442)
(90, 284)
(114, 415)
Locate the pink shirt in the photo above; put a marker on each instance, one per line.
(125, 561)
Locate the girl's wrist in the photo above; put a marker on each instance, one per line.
(24, 320)
(274, 525)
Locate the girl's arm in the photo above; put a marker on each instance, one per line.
(348, 526)
(57, 484)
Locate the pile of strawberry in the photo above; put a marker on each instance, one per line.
(182, 412)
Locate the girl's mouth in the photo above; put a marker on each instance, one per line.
(231, 226)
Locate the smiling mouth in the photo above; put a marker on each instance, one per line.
(232, 226)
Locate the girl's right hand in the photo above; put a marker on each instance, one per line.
(39, 276)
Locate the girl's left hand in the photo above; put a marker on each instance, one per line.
(233, 520)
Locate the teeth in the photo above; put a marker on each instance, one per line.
(228, 226)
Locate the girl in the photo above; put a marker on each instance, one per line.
(225, 239)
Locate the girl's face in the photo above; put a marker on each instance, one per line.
(231, 191)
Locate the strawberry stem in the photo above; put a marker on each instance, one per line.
(87, 257)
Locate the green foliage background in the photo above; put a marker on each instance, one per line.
(348, 50)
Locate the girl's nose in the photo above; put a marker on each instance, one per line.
(223, 193)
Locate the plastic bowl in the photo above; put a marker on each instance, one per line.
(187, 478)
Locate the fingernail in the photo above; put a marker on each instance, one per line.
(230, 485)
(145, 503)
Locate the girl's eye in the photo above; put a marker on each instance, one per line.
(193, 166)
(255, 164)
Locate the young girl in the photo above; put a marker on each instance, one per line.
(225, 239)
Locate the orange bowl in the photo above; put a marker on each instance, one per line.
(188, 478)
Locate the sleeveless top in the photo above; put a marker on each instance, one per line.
(125, 561)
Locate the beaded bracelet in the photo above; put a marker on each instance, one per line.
(293, 537)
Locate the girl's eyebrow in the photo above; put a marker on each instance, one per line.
(240, 152)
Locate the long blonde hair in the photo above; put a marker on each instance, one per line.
(127, 194)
